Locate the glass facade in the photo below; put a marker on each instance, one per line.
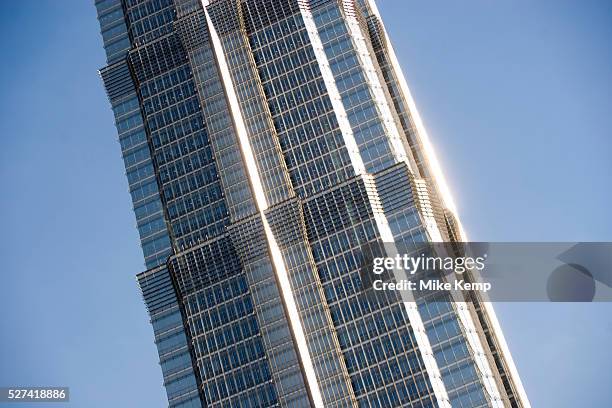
(266, 144)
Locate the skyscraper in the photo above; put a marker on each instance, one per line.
(266, 143)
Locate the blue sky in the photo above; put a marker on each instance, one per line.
(516, 96)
